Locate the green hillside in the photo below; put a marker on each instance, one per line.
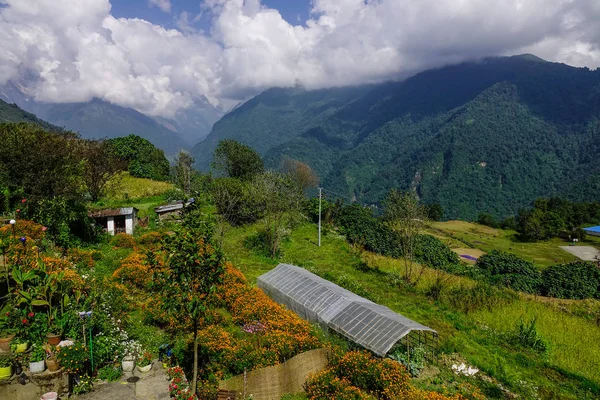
(487, 136)
(12, 113)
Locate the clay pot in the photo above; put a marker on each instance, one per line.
(53, 340)
(5, 342)
(52, 365)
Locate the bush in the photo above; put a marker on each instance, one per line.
(509, 270)
(123, 240)
(576, 280)
(482, 295)
(527, 335)
(72, 358)
(110, 373)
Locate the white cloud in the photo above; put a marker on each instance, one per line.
(164, 5)
(79, 50)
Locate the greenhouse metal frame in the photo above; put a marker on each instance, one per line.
(373, 326)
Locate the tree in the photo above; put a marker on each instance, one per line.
(101, 164)
(183, 171)
(280, 198)
(488, 220)
(509, 270)
(405, 217)
(192, 271)
(301, 173)
(145, 160)
(435, 212)
(237, 160)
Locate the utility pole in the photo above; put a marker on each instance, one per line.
(320, 196)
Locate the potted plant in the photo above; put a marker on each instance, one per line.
(144, 363)
(5, 366)
(72, 358)
(7, 328)
(36, 360)
(53, 335)
(19, 345)
(51, 361)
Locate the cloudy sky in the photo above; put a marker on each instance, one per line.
(157, 56)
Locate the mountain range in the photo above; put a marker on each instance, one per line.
(486, 136)
(100, 119)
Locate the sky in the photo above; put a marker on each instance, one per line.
(160, 56)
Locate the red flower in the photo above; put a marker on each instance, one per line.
(18, 210)
(23, 201)
(24, 321)
(8, 314)
(44, 229)
(31, 314)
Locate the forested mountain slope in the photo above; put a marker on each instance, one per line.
(482, 136)
(12, 113)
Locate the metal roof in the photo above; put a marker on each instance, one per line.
(371, 325)
(169, 207)
(112, 212)
(592, 229)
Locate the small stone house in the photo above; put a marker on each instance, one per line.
(171, 212)
(116, 220)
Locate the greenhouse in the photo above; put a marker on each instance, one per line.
(368, 324)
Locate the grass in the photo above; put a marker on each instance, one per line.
(126, 187)
(565, 372)
(484, 238)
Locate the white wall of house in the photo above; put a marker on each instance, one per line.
(129, 224)
(110, 225)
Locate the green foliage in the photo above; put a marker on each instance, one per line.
(526, 334)
(83, 385)
(12, 113)
(37, 353)
(109, 373)
(145, 160)
(509, 270)
(361, 227)
(481, 296)
(413, 361)
(435, 212)
(472, 144)
(237, 160)
(488, 220)
(234, 201)
(5, 361)
(72, 358)
(576, 280)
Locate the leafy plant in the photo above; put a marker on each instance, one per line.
(84, 385)
(109, 373)
(5, 361)
(527, 335)
(37, 353)
(72, 358)
(145, 359)
(413, 359)
(509, 270)
(576, 280)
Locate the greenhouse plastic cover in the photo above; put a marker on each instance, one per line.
(368, 324)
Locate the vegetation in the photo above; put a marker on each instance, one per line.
(509, 270)
(237, 160)
(144, 159)
(472, 145)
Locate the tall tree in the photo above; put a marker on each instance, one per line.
(237, 160)
(301, 173)
(145, 160)
(101, 164)
(192, 271)
(184, 171)
(404, 216)
(280, 199)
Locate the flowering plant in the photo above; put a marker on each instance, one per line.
(145, 359)
(84, 385)
(179, 388)
(72, 357)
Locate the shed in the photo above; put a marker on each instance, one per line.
(373, 326)
(592, 230)
(116, 220)
(169, 211)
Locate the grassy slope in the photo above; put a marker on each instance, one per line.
(477, 337)
(468, 234)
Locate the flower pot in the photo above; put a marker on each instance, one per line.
(5, 342)
(5, 372)
(21, 347)
(53, 340)
(49, 396)
(128, 364)
(52, 365)
(37, 367)
(145, 369)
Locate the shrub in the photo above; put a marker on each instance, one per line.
(527, 335)
(123, 240)
(576, 280)
(109, 373)
(482, 295)
(326, 385)
(72, 358)
(509, 270)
